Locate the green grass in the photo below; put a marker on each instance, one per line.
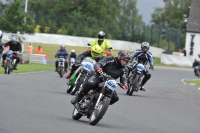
(30, 68)
(51, 49)
(194, 81)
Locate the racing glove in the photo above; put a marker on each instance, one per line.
(126, 86)
(151, 67)
(99, 70)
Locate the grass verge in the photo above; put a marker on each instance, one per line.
(195, 82)
(30, 68)
(51, 49)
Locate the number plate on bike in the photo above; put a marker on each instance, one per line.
(111, 84)
(140, 67)
(88, 66)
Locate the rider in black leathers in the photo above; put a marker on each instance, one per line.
(14, 46)
(113, 66)
(143, 56)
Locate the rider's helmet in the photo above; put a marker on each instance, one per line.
(1, 34)
(14, 40)
(96, 51)
(123, 58)
(72, 51)
(101, 36)
(145, 47)
(62, 47)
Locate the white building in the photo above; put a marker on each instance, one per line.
(6, 1)
(193, 30)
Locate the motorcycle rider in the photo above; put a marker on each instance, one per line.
(113, 66)
(72, 55)
(14, 46)
(105, 45)
(196, 63)
(143, 56)
(95, 53)
(61, 52)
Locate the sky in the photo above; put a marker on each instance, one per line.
(146, 8)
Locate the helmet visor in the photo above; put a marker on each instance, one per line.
(96, 54)
(145, 49)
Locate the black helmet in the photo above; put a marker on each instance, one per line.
(101, 35)
(145, 47)
(123, 58)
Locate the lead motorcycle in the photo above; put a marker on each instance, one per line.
(81, 75)
(135, 77)
(95, 104)
(10, 61)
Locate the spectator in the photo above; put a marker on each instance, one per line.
(30, 49)
(39, 50)
(184, 51)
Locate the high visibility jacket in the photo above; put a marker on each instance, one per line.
(29, 49)
(39, 51)
(105, 45)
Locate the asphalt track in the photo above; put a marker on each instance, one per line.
(38, 103)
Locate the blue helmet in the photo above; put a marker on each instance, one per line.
(1, 34)
(13, 39)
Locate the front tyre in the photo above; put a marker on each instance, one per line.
(77, 85)
(69, 89)
(76, 115)
(61, 72)
(133, 87)
(98, 114)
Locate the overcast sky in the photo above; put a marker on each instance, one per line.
(146, 8)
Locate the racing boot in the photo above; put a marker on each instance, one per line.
(78, 97)
(142, 88)
(15, 67)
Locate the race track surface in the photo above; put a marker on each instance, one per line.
(38, 103)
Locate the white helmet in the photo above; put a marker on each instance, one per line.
(145, 46)
(73, 51)
(62, 46)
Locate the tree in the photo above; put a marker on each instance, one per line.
(172, 16)
(15, 19)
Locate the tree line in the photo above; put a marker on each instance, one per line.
(119, 19)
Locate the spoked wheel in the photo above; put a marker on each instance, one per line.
(97, 114)
(76, 115)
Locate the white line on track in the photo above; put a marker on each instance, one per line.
(183, 81)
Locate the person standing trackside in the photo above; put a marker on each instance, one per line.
(39, 50)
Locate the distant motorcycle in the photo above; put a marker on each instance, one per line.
(72, 61)
(135, 78)
(61, 66)
(197, 70)
(10, 61)
(82, 73)
(95, 104)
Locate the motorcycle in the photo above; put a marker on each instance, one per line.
(95, 104)
(10, 61)
(135, 78)
(72, 61)
(61, 66)
(197, 71)
(82, 74)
